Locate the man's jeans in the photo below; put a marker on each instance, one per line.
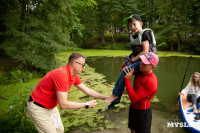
(120, 84)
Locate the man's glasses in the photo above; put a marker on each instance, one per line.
(83, 65)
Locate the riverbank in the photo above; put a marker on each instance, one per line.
(122, 53)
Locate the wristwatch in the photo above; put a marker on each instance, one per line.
(86, 105)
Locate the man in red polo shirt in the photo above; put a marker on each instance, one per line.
(144, 88)
(52, 90)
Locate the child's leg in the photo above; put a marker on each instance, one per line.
(120, 84)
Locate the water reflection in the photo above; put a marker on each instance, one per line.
(170, 72)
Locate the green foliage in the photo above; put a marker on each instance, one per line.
(121, 40)
(3, 78)
(34, 31)
(178, 21)
(105, 16)
(171, 25)
(162, 46)
(118, 46)
(16, 119)
(15, 76)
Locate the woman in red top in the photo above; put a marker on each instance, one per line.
(144, 88)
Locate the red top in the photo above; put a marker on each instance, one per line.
(59, 79)
(144, 88)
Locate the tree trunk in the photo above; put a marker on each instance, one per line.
(2, 30)
(116, 30)
(3, 11)
(128, 29)
(112, 35)
(102, 37)
(71, 36)
(150, 15)
(23, 5)
(185, 43)
(154, 16)
(178, 41)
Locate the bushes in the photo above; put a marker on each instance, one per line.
(121, 41)
(162, 46)
(14, 76)
(16, 119)
(118, 46)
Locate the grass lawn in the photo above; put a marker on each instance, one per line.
(121, 53)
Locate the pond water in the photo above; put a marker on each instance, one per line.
(169, 71)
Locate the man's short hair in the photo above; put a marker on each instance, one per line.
(75, 56)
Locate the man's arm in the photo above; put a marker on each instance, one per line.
(64, 104)
(141, 92)
(90, 92)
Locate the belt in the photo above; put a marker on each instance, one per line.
(36, 103)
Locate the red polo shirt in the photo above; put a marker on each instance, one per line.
(59, 79)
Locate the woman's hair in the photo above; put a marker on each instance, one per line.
(75, 56)
(192, 78)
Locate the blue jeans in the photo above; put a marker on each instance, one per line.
(120, 84)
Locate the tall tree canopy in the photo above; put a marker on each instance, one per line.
(33, 31)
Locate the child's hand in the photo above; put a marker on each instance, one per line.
(133, 60)
(129, 72)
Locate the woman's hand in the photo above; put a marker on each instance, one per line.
(180, 93)
(128, 71)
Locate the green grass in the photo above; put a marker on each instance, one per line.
(12, 90)
(169, 53)
(120, 53)
(99, 52)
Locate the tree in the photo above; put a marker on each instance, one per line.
(33, 31)
(106, 15)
